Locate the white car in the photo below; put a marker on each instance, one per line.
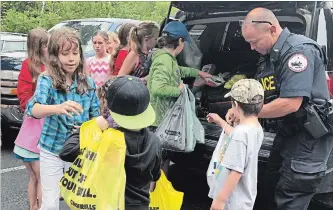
(13, 42)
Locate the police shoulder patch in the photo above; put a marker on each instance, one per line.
(298, 62)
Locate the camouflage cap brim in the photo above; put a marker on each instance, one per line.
(227, 95)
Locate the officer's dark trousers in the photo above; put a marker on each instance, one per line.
(286, 186)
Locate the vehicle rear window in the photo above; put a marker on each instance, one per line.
(236, 42)
(13, 46)
(196, 31)
(85, 30)
(227, 36)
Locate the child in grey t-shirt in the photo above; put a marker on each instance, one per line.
(234, 183)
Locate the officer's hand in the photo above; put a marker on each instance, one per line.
(232, 116)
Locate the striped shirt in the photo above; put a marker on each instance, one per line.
(58, 128)
(99, 69)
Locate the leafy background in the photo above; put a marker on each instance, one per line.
(20, 17)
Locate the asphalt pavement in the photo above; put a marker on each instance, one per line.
(14, 182)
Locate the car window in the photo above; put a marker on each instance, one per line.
(207, 36)
(322, 32)
(121, 23)
(85, 30)
(1, 43)
(196, 31)
(235, 41)
(118, 28)
(13, 46)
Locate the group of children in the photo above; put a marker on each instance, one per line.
(123, 54)
(65, 96)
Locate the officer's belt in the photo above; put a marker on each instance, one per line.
(292, 123)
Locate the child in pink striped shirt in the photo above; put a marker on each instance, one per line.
(98, 65)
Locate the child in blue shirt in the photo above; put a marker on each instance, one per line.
(66, 97)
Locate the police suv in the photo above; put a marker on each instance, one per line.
(214, 28)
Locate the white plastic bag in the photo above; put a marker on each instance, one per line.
(180, 129)
(171, 131)
(215, 158)
(198, 129)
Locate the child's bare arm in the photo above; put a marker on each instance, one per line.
(68, 108)
(227, 128)
(215, 118)
(230, 184)
(39, 106)
(41, 111)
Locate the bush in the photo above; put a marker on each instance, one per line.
(24, 16)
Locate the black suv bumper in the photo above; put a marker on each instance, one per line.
(9, 100)
(200, 158)
(11, 117)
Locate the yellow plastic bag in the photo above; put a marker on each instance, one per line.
(96, 179)
(233, 80)
(165, 197)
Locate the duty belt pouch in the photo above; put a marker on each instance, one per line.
(314, 124)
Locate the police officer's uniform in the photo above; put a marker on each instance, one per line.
(297, 163)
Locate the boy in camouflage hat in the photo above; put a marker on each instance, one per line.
(234, 182)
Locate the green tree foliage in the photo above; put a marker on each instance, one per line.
(22, 16)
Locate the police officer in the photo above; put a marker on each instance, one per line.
(292, 72)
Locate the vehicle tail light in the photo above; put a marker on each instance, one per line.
(329, 79)
(14, 91)
(8, 91)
